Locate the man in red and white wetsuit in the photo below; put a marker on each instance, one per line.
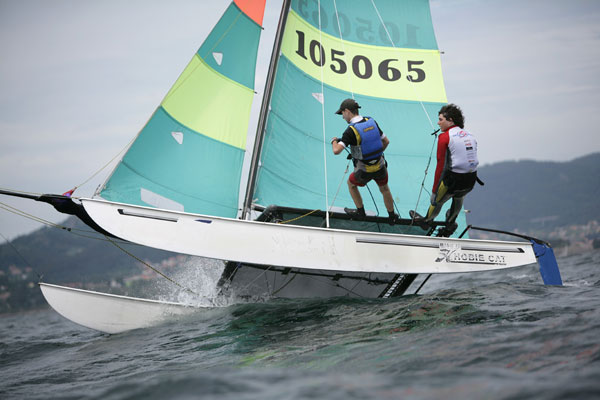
(456, 171)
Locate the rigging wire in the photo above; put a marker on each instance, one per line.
(27, 263)
(22, 213)
(42, 221)
(420, 102)
(337, 17)
(105, 165)
(151, 267)
(71, 230)
(257, 276)
(323, 121)
(409, 79)
(340, 185)
(20, 191)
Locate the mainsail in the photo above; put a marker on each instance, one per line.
(189, 155)
(384, 54)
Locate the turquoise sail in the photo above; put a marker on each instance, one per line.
(189, 155)
(393, 72)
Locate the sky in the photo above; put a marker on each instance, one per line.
(79, 79)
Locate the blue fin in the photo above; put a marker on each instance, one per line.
(548, 265)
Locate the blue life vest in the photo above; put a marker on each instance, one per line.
(368, 138)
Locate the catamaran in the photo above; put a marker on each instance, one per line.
(182, 186)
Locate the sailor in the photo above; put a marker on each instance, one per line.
(456, 171)
(367, 143)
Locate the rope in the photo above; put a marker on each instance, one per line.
(71, 230)
(284, 285)
(30, 216)
(337, 17)
(20, 191)
(176, 88)
(420, 102)
(323, 122)
(297, 218)
(27, 263)
(42, 221)
(105, 165)
(410, 80)
(339, 186)
(151, 267)
(424, 177)
(169, 94)
(258, 276)
(352, 89)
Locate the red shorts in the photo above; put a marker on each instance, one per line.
(361, 178)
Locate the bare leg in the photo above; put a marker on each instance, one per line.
(358, 202)
(388, 200)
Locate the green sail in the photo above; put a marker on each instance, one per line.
(399, 84)
(189, 155)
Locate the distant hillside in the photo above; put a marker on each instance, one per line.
(534, 195)
(64, 257)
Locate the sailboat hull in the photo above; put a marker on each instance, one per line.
(109, 313)
(303, 247)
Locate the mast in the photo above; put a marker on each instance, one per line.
(264, 110)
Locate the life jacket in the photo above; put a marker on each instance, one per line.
(463, 151)
(368, 138)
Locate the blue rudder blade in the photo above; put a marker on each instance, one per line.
(548, 265)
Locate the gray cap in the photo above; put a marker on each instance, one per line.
(350, 104)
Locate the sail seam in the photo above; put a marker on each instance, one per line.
(337, 17)
(248, 16)
(336, 89)
(175, 88)
(290, 182)
(410, 80)
(233, 23)
(412, 85)
(212, 139)
(280, 117)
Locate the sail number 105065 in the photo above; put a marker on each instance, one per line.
(361, 65)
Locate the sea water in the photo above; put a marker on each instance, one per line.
(499, 335)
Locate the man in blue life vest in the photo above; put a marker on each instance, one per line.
(367, 143)
(456, 171)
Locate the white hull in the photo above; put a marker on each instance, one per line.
(109, 313)
(303, 247)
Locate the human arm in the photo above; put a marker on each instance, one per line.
(385, 142)
(337, 145)
(348, 139)
(442, 149)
